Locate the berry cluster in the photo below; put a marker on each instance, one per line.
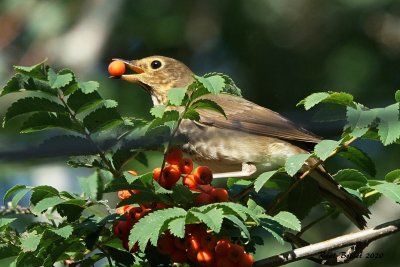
(201, 248)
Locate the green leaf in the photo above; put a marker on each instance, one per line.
(182, 195)
(46, 203)
(350, 178)
(37, 71)
(294, 163)
(238, 223)
(359, 158)
(208, 104)
(32, 104)
(30, 241)
(79, 101)
(288, 220)
(45, 120)
(339, 98)
(18, 196)
(22, 83)
(274, 228)
(109, 103)
(102, 119)
(191, 114)
(152, 225)
(325, 148)
(64, 232)
(360, 118)
(230, 86)
(176, 95)
(389, 125)
(397, 95)
(214, 84)
(42, 192)
(262, 179)
(177, 227)
(12, 190)
(389, 190)
(158, 111)
(393, 176)
(90, 185)
(58, 80)
(212, 218)
(6, 221)
(88, 87)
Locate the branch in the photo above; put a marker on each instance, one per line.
(360, 239)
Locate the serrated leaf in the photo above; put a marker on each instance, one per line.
(397, 96)
(44, 120)
(158, 111)
(181, 194)
(149, 228)
(339, 98)
(238, 223)
(214, 84)
(18, 196)
(212, 218)
(262, 179)
(88, 87)
(32, 104)
(389, 125)
(90, 185)
(12, 190)
(177, 227)
(101, 119)
(274, 229)
(360, 159)
(20, 83)
(389, 190)
(109, 103)
(393, 176)
(46, 203)
(231, 208)
(41, 192)
(64, 232)
(325, 148)
(191, 114)
(294, 163)
(79, 102)
(58, 80)
(36, 71)
(208, 104)
(176, 95)
(288, 220)
(6, 221)
(359, 119)
(30, 241)
(230, 86)
(350, 178)
(313, 100)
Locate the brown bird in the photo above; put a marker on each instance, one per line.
(251, 140)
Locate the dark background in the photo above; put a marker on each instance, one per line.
(277, 51)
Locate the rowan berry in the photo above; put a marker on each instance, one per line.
(186, 166)
(174, 156)
(116, 68)
(203, 175)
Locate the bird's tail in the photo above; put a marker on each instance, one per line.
(340, 198)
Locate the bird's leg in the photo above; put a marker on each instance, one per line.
(247, 170)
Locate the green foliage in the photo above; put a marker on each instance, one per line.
(74, 226)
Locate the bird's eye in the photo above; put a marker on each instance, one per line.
(155, 64)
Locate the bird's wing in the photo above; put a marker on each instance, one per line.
(243, 115)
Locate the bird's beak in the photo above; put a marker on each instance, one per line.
(133, 66)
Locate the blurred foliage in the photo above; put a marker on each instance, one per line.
(277, 51)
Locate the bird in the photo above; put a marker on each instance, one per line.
(251, 139)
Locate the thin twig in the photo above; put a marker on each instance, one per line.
(363, 237)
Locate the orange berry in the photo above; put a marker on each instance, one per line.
(225, 262)
(190, 182)
(179, 256)
(235, 253)
(135, 248)
(170, 175)
(220, 194)
(123, 209)
(205, 257)
(247, 260)
(122, 229)
(181, 243)
(192, 254)
(203, 199)
(160, 205)
(206, 188)
(174, 156)
(156, 174)
(222, 247)
(186, 166)
(203, 175)
(116, 68)
(193, 242)
(165, 244)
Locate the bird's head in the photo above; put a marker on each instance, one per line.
(158, 74)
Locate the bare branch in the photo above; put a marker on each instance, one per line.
(359, 240)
